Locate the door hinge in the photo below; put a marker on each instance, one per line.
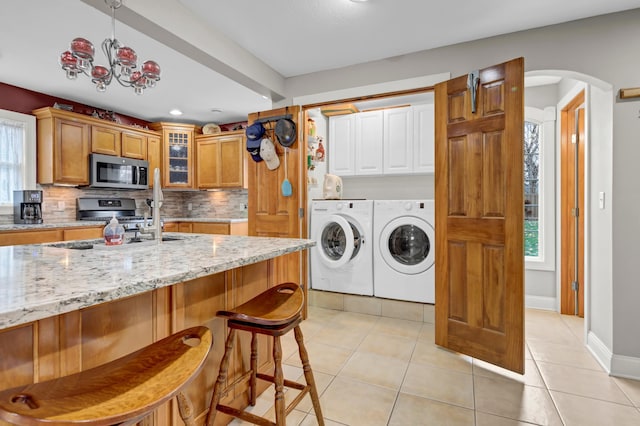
(301, 212)
(575, 212)
(575, 285)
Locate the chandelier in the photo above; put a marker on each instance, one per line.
(122, 61)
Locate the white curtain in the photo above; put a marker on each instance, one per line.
(12, 145)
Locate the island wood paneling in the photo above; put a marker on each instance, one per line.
(67, 343)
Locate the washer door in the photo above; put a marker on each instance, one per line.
(339, 241)
(407, 245)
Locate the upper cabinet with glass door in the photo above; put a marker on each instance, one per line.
(178, 154)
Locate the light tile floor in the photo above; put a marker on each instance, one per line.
(373, 370)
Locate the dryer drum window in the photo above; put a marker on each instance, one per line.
(409, 245)
(334, 241)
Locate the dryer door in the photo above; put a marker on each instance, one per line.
(407, 244)
(339, 241)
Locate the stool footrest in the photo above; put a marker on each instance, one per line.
(287, 383)
(243, 415)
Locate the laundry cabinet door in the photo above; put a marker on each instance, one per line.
(398, 141)
(369, 142)
(423, 137)
(341, 145)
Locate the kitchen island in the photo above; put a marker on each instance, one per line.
(65, 309)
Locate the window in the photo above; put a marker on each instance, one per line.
(539, 223)
(17, 156)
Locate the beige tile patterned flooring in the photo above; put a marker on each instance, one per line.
(374, 370)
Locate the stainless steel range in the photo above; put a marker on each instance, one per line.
(124, 209)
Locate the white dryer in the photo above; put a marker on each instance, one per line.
(341, 260)
(404, 250)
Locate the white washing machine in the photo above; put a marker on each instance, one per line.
(404, 250)
(341, 260)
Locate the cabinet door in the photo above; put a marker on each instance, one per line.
(30, 237)
(230, 161)
(178, 158)
(341, 145)
(423, 138)
(207, 173)
(105, 140)
(134, 145)
(83, 233)
(185, 227)
(210, 228)
(71, 152)
(398, 141)
(369, 142)
(154, 156)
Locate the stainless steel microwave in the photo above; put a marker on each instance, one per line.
(108, 171)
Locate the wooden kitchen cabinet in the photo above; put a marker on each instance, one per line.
(134, 145)
(105, 140)
(66, 138)
(63, 148)
(40, 236)
(178, 157)
(223, 228)
(154, 156)
(220, 160)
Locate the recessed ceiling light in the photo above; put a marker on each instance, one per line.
(175, 112)
(216, 110)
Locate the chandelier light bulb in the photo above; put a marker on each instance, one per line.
(122, 62)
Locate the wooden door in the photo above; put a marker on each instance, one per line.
(572, 146)
(479, 216)
(271, 214)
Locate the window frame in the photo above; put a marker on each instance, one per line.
(29, 152)
(546, 118)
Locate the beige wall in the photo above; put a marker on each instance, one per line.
(600, 51)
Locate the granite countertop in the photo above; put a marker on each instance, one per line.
(42, 280)
(81, 223)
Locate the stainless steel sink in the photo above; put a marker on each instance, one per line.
(99, 244)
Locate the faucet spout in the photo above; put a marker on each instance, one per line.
(158, 197)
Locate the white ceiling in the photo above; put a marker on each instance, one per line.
(281, 38)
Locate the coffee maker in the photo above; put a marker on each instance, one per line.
(27, 206)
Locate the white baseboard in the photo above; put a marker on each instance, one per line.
(615, 365)
(625, 366)
(541, 302)
(600, 351)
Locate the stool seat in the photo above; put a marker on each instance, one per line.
(274, 313)
(276, 306)
(122, 391)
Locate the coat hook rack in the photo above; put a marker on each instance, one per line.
(630, 93)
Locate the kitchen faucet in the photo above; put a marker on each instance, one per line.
(156, 226)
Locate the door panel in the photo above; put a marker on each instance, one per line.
(270, 213)
(479, 216)
(572, 168)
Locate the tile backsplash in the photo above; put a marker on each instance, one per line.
(60, 203)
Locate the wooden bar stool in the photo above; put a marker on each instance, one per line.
(274, 313)
(122, 391)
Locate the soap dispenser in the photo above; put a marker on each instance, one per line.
(113, 233)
